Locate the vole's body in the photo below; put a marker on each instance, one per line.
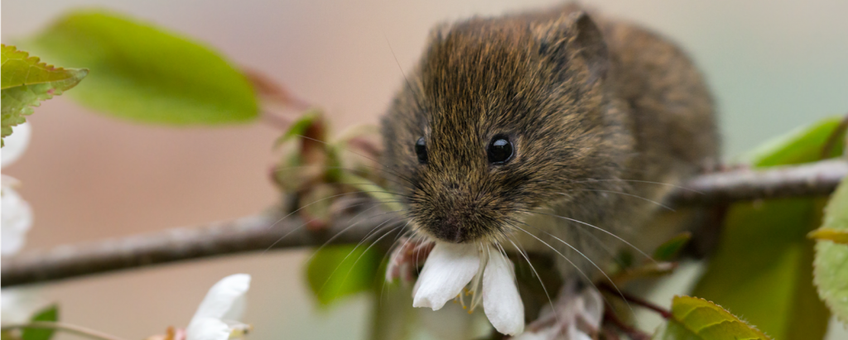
(597, 111)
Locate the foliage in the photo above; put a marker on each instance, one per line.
(830, 234)
(768, 258)
(51, 314)
(762, 269)
(801, 145)
(335, 272)
(698, 319)
(26, 82)
(143, 73)
(669, 250)
(831, 258)
(317, 174)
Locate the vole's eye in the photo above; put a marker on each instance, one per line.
(421, 150)
(500, 150)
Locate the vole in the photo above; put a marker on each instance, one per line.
(546, 123)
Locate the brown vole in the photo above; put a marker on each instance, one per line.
(547, 123)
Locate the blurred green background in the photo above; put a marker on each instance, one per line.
(773, 66)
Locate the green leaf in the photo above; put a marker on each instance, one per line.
(392, 314)
(830, 234)
(371, 189)
(801, 145)
(9, 335)
(298, 128)
(146, 74)
(669, 250)
(26, 82)
(50, 314)
(698, 319)
(762, 268)
(335, 272)
(831, 258)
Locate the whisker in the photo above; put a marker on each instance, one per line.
(590, 180)
(408, 84)
(387, 233)
(626, 194)
(363, 156)
(545, 289)
(338, 234)
(602, 230)
(365, 238)
(307, 222)
(314, 202)
(600, 243)
(590, 261)
(351, 170)
(556, 251)
(391, 248)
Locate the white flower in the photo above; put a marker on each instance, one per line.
(217, 316)
(16, 213)
(577, 315)
(15, 144)
(16, 218)
(451, 267)
(17, 304)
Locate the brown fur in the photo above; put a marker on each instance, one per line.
(592, 105)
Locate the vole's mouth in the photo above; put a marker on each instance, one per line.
(450, 233)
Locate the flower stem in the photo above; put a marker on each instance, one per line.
(73, 329)
(666, 314)
(631, 332)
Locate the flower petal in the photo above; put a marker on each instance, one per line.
(16, 220)
(224, 300)
(593, 307)
(205, 328)
(15, 144)
(546, 333)
(17, 305)
(501, 301)
(448, 269)
(576, 334)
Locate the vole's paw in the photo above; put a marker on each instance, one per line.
(406, 258)
(576, 315)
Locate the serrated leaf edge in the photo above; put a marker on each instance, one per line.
(721, 309)
(37, 62)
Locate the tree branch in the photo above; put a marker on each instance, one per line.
(271, 230)
(72, 329)
(813, 179)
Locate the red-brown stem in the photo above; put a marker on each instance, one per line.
(633, 333)
(666, 314)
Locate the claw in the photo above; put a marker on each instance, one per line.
(577, 315)
(405, 259)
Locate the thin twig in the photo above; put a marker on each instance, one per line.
(259, 232)
(666, 314)
(73, 329)
(631, 331)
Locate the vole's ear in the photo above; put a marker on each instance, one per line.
(439, 32)
(575, 35)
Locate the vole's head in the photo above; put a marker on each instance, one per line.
(502, 116)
